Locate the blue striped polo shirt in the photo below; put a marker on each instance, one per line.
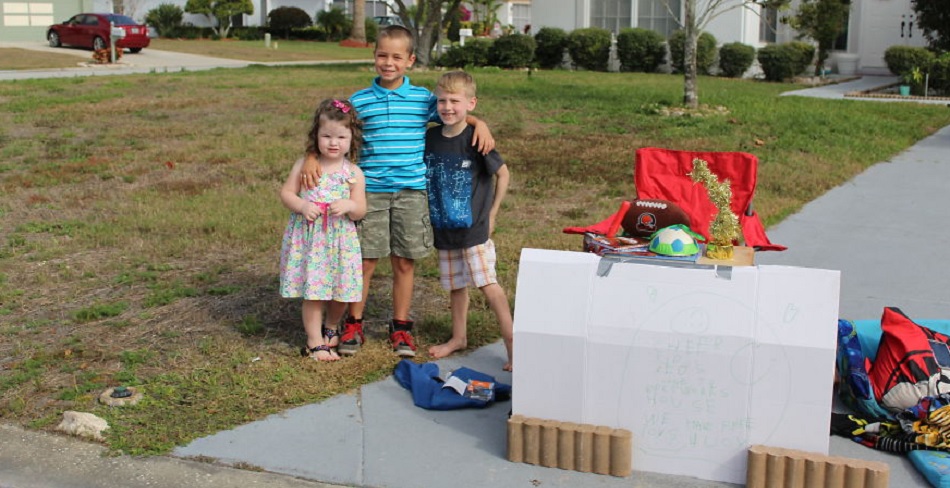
(394, 135)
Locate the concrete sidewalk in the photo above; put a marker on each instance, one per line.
(866, 228)
(883, 230)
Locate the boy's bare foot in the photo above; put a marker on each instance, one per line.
(507, 366)
(445, 350)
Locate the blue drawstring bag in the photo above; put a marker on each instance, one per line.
(427, 391)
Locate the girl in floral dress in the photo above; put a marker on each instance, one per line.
(320, 259)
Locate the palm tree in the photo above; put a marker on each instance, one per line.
(358, 33)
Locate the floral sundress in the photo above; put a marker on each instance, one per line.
(321, 260)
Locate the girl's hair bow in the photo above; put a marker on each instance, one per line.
(342, 106)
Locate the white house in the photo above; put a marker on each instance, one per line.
(26, 20)
(874, 25)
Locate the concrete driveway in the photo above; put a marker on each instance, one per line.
(146, 61)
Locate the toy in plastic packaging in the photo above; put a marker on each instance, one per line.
(474, 389)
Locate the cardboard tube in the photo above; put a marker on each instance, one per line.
(755, 473)
(621, 452)
(834, 474)
(584, 448)
(775, 470)
(815, 472)
(795, 472)
(532, 441)
(565, 445)
(549, 443)
(854, 476)
(602, 450)
(877, 478)
(516, 438)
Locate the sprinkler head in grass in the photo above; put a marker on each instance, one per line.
(120, 396)
(121, 392)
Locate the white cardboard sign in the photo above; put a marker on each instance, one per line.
(698, 362)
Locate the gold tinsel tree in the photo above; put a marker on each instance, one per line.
(724, 228)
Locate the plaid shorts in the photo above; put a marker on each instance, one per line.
(472, 266)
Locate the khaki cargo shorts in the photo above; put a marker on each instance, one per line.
(396, 223)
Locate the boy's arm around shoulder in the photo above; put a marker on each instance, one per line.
(310, 172)
(290, 194)
(502, 179)
(481, 136)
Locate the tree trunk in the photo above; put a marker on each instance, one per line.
(358, 34)
(428, 29)
(690, 94)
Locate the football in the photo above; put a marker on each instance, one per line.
(644, 217)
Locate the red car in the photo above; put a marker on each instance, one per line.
(92, 31)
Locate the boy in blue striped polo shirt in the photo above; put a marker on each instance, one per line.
(395, 116)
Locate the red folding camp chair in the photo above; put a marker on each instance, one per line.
(664, 174)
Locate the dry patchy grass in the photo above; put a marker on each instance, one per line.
(280, 50)
(12, 58)
(140, 223)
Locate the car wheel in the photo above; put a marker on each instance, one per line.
(53, 39)
(135, 50)
(98, 43)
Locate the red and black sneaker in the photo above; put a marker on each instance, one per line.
(352, 338)
(400, 335)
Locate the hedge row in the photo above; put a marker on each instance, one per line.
(902, 60)
(639, 50)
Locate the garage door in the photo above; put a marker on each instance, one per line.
(27, 20)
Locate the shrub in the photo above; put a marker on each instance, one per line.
(309, 34)
(474, 53)
(589, 48)
(901, 59)
(334, 23)
(282, 20)
(166, 18)
(248, 33)
(189, 31)
(512, 51)
(940, 74)
(372, 30)
(805, 55)
(640, 49)
(705, 51)
(551, 42)
(735, 58)
(782, 61)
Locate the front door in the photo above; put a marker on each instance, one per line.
(885, 24)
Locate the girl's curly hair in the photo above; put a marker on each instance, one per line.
(338, 110)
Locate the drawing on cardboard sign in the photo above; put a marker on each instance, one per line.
(699, 365)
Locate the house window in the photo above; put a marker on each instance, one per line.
(841, 43)
(659, 15)
(521, 16)
(377, 9)
(612, 15)
(768, 24)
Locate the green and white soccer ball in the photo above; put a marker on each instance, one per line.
(675, 240)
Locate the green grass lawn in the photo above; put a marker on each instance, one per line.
(140, 224)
